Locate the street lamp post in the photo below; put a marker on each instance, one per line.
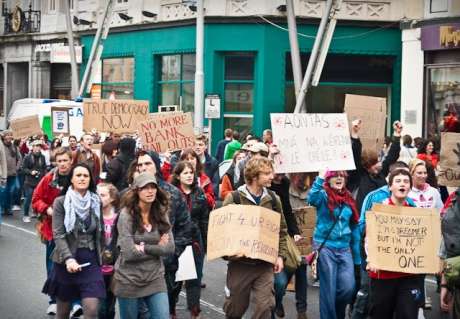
(199, 73)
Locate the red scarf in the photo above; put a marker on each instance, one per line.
(335, 199)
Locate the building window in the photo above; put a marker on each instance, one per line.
(443, 98)
(437, 6)
(342, 74)
(239, 91)
(176, 85)
(118, 78)
(60, 81)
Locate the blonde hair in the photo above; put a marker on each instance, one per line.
(254, 167)
(113, 193)
(414, 163)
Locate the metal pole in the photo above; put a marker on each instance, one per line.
(313, 56)
(94, 48)
(294, 43)
(73, 60)
(199, 73)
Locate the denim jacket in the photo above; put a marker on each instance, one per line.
(345, 233)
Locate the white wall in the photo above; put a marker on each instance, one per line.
(412, 83)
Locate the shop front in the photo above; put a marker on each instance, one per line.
(248, 66)
(441, 45)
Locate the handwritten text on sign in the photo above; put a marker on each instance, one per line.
(404, 241)
(244, 230)
(449, 167)
(119, 116)
(306, 221)
(310, 142)
(167, 131)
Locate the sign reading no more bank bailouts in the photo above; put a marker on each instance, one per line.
(403, 239)
(244, 231)
(312, 142)
(120, 116)
(167, 131)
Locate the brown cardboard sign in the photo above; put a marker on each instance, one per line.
(167, 131)
(403, 239)
(372, 111)
(244, 231)
(26, 126)
(120, 116)
(449, 166)
(306, 221)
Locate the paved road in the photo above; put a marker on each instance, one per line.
(22, 274)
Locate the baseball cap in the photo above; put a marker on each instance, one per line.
(258, 147)
(144, 179)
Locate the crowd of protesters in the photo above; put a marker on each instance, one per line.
(115, 223)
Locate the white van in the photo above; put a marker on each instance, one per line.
(42, 107)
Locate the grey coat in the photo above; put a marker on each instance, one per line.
(67, 243)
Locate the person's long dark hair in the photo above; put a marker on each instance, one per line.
(178, 169)
(424, 144)
(92, 182)
(158, 215)
(190, 152)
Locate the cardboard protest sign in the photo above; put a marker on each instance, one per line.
(26, 126)
(244, 230)
(449, 166)
(310, 142)
(372, 111)
(118, 116)
(60, 120)
(167, 131)
(306, 221)
(403, 239)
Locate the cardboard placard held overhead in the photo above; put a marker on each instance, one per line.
(244, 230)
(311, 142)
(449, 166)
(117, 116)
(26, 126)
(372, 111)
(167, 131)
(403, 239)
(306, 221)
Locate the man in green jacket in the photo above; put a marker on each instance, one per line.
(245, 274)
(233, 146)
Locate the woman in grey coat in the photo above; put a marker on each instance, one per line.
(78, 234)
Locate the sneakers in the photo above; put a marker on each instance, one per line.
(76, 311)
(51, 310)
(15, 207)
(279, 311)
(26, 219)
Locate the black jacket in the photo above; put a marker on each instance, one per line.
(117, 168)
(282, 190)
(31, 163)
(360, 181)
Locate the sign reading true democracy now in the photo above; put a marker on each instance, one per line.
(312, 142)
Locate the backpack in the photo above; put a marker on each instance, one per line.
(450, 228)
(237, 199)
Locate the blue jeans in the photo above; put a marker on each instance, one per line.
(336, 282)
(7, 193)
(49, 263)
(157, 303)
(28, 191)
(281, 281)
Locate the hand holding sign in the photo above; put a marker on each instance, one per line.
(397, 126)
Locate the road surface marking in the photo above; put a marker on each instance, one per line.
(207, 304)
(21, 229)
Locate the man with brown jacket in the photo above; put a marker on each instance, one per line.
(245, 274)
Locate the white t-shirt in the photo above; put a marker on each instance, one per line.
(428, 197)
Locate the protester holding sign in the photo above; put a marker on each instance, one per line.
(337, 234)
(185, 179)
(395, 293)
(246, 275)
(370, 173)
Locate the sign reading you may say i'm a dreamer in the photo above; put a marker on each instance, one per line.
(311, 142)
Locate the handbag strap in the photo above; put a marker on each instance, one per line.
(329, 232)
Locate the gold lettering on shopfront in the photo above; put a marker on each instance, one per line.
(448, 35)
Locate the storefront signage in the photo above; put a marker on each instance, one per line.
(441, 37)
(61, 54)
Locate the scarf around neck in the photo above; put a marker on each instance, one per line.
(81, 206)
(335, 199)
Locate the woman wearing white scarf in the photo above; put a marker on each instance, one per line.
(78, 234)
